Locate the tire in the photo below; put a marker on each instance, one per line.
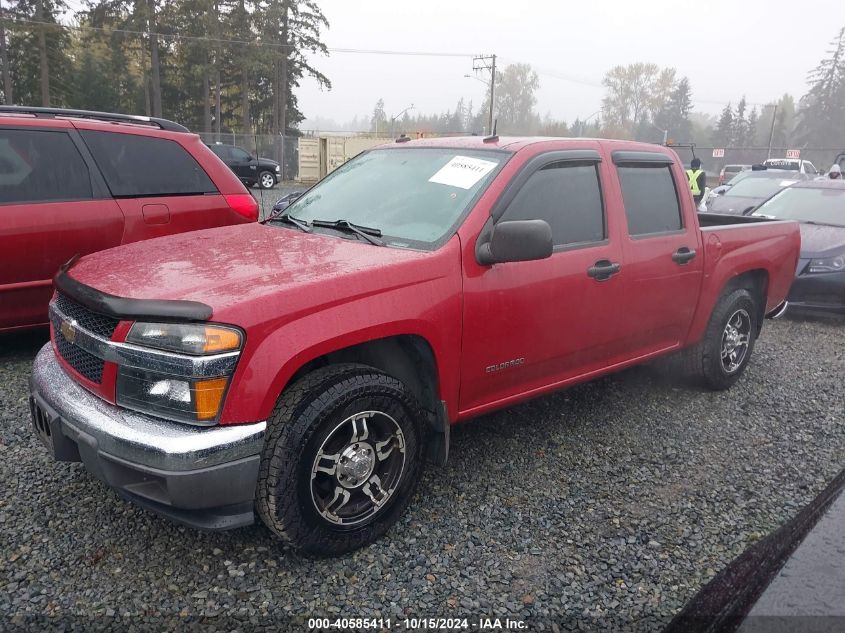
(720, 358)
(266, 180)
(351, 495)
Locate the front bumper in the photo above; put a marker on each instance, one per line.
(824, 291)
(202, 477)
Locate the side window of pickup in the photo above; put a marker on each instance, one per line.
(566, 195)
(651, 199)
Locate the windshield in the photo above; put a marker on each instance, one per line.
(822, 205)
(415, 196)
(741, 176)
(759, 187)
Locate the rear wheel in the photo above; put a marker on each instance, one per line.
(342, 459)
(266, 180)
(722, 355)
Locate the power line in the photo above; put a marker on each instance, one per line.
(178, 36)
(555, 74)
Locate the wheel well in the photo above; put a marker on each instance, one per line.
(408, 358)
(757, 283)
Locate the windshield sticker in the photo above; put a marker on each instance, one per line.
(463, 172)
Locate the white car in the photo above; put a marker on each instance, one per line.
(792, 164)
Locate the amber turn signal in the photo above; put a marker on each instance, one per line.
(208, 395)
(219, 339)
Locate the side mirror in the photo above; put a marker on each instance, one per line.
(517, 241)
(285, 201)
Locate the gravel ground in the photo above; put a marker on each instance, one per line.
(604, 507)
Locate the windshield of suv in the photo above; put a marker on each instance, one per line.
(759, 186)
(822, 206)
(415, 196)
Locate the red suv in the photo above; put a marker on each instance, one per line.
(73, 182)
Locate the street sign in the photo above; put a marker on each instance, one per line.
(718, 153)
(793, 153)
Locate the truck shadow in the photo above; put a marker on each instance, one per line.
(23, 345)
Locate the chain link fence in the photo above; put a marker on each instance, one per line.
(282, 149)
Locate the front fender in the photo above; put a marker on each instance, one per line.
(430, 310)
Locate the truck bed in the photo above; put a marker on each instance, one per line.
(718, 219)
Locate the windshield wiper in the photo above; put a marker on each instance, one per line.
(284, 216)
(368, 233)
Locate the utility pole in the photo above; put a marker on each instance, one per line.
(772, 133)
(4, 59)
(487, 62)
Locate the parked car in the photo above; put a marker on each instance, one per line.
(729, 171)
(792, 164)
(306, 368)
(791, 580)
(252, 171)
(750, 190)
(285, 201)
(819, 205)
(73, 182)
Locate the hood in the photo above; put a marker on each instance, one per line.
(234, 265)
(820, 241)
(732, 205)
(267, 162)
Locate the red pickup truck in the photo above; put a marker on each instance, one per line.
(308, 367)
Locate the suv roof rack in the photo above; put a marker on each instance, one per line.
(163, 124)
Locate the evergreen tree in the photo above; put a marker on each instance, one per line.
(823, 107)
(673, 117)
(37, 51)
(723, 134)
(378, 121)
(740, 125)
(753, 120)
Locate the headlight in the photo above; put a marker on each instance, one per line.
(827, 265)
(171, 398)
(181, 398)
(196, 339)
(278, 168)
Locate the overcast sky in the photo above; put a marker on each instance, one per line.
(759, 48)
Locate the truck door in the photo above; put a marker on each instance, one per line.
(531, 325)
(662, 251)
(244, 165)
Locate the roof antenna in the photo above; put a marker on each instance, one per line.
(493, 138)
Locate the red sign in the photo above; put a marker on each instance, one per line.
(718, 153)
(793, 153)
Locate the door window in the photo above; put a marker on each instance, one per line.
(651, 200)
(136, 166)
(240, 155)
(566, 195)
(41, 166)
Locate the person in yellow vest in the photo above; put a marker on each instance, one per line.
(697, 180)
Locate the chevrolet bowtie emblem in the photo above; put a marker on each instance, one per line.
(68, 330)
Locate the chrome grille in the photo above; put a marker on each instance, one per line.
(99, 324)
(84, 362)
